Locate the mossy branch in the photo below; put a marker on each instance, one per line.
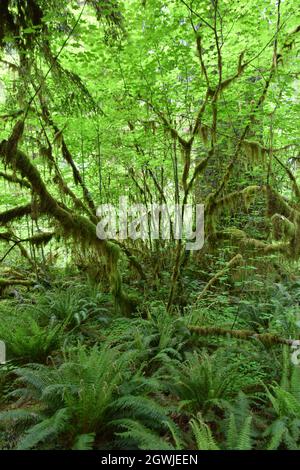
(62, 185)
(243, 136)
(282, 227)
(237, 259)
(277, 204)
(173, 132)
(265, 248)
(243, 241)
(132, 260)
(76, 226)
(265, 338)
(38, 239)
(240, 69)
(14, 214)
(13, 282)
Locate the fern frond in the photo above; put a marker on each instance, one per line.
(176, 435)
(231, 433)
(276, 430)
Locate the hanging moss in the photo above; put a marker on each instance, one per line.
(282, 227)
(252, 245)
(255, 152)
(265, 338)
(295, 241)
(284, 215)
(231, 202)
(288, 216)
(14, 214)
(41, 238)
(236, 200)
(62, 185)
(276, 204)
(291, 177)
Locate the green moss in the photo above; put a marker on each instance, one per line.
(74, 226)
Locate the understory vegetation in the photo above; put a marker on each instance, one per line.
(140, 343)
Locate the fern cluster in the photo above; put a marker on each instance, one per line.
(82, 377)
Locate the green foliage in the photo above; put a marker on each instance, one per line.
(239, 439)
(27, 340)
(158, 339)
(168, 102)
(82, 397)
(137, 435)
(203, 435)
(237, 428)
(236, 439)
(285, 400)
(6, 379)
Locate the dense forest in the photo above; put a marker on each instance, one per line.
(126, 332)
